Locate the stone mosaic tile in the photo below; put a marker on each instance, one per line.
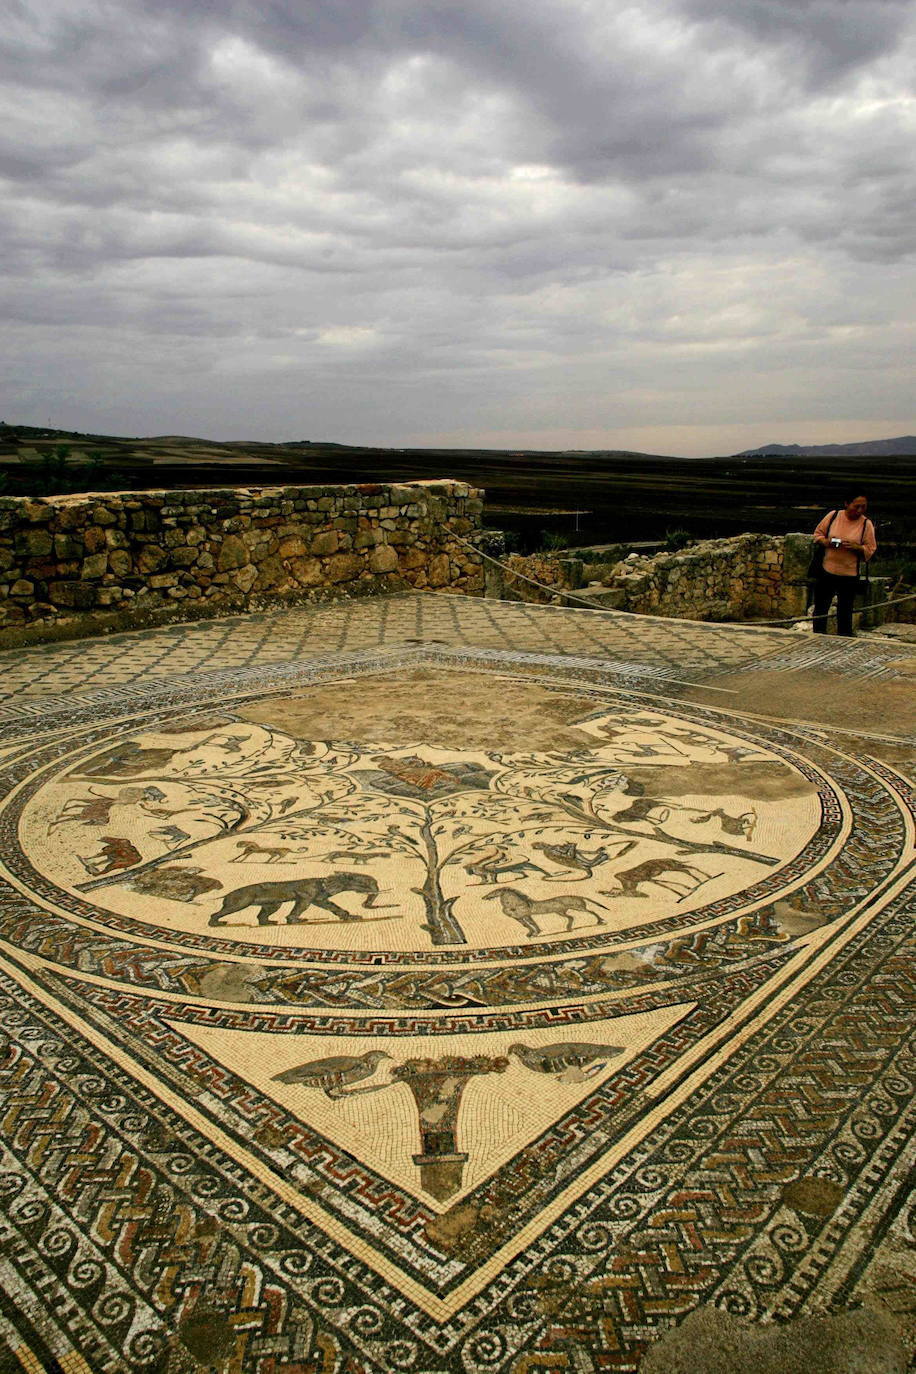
(437, 1006)
(455, 621)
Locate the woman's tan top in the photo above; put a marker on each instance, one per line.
(844, 562)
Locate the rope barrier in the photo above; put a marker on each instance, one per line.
(589, 605)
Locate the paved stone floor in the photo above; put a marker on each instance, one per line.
(433, 984)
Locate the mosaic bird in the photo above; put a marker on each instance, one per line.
(336, 1075)
(574, 1061)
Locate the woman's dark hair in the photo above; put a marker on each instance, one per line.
(850, 495)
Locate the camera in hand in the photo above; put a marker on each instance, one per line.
(836, 543)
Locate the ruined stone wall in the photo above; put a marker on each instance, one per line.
(753, 576)
(77, 564)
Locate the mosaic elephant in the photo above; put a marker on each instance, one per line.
(302, 893)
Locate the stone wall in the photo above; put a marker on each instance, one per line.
(73, 565)
(754, 576)
(512, 576)
(750, 577)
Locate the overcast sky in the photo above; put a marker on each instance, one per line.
(674, 225)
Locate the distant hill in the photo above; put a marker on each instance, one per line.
(877, 448)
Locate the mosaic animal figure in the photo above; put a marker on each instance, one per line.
(527, 910)
(351, 856)
(130, 759)
(250, 849)
(670, 874)
(572, 859)
(302, 893)
(178, 884)
(116, 853)
(495, 861)
(641, 810)
(743, 825)
(96, 809)
(92, 810)
(573, 1061)
(336, 1074)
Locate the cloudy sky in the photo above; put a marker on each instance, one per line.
(670, 225)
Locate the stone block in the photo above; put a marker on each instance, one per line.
(151, 558)
(232, 554)
(270, 574)
(245, 578)
(293, 547)
(411, 559)
(438, 572)
(796, 557)
(327, 542)
(120, 562)
(383, 559)
(96, 565)
(343, 567)
(101, 515)
(75, 596)
(33, 543)
(306, 571)
(94, 539)
(22, 588)
(183, 558)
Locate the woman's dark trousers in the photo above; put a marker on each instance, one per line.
(827, 587)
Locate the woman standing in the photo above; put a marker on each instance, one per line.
(848, 538)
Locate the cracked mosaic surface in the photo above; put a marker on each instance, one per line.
(439, 1007)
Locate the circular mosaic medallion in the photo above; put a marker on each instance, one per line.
(243, 838)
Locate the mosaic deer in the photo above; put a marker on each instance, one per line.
(670, 874)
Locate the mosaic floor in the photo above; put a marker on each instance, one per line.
(434, 985)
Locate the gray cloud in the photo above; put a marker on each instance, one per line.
(469, 220)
